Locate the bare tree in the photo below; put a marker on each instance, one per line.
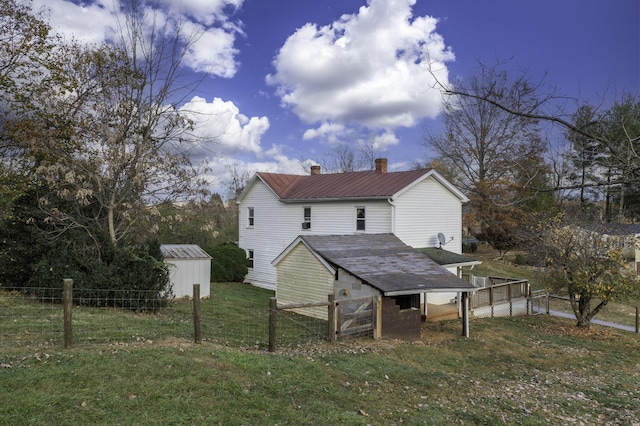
(356, 155)
(108, 138)
(490, 149)
(534, 102)
(236, 179)
(369, 149)
(342, 158)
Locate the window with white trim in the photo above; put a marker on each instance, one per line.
(306, 218)
(360, 219)
(250, 259)
(250, 216)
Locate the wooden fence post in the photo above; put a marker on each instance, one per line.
(332, 318)
(491, 298)
(197, 332)
(67, 302)
(465, 313)
(273, 306)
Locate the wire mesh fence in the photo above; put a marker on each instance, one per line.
(293, 328)
(26, 320)
(234, 315)
(512, 308)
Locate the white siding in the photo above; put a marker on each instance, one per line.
(441, 298)
(266, 236)
(302, 278)
(423, 211)
(185, 273)
(420, 213)
(277, 224)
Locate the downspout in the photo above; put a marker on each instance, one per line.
(393, 215)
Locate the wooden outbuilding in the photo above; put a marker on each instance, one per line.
(188, 264)
(363, 265)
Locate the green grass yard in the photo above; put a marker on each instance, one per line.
(526, 370)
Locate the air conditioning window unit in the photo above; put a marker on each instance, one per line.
(306, 225)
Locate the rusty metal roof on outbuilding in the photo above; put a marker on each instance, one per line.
(386, 263)
(183, 251)
(369, 184)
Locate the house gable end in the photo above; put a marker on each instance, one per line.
(438, 178)
(295, 244)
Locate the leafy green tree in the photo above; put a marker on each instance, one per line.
(96, 135)
(102, 127)
(620, 126)
(587, 265)
(21, 243)
(26, 47)
(530, 178)
(204, 222)
(502, 233)
(585, 154)
(122, 151)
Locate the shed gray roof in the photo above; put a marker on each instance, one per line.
(183, 251)
(447, 258)
(386, 263)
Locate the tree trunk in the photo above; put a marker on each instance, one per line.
(111, 219)
(581, 306)
(583, 323)
(621, 206)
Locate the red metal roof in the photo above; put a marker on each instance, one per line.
(369, 184)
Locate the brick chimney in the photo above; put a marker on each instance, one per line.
(316, 170)
(381, 165)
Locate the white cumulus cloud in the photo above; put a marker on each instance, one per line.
(207, 12)
(213, 51)
(220, 128)
(326, 130)
(371, 68)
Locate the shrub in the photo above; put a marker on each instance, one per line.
(469, 245)
(35, 254)
(132, 277)
(522, 259)
(228, 263)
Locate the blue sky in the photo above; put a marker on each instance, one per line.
(291, 78)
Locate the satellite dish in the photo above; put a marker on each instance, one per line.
(442, 239)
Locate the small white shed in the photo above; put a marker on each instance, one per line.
(188, 265)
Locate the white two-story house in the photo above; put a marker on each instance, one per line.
(415, 206)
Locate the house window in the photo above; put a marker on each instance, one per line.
(250, 259)
(251, 217)
(360, 219)
(306, 222)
